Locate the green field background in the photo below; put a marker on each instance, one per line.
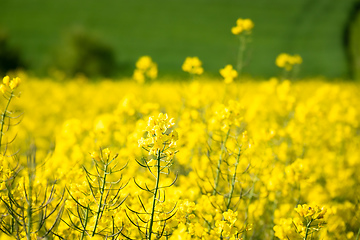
(171, 30)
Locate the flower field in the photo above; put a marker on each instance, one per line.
(244, 157)
(207, 158)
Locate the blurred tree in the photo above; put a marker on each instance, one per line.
(86, 54)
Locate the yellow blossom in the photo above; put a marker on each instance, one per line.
(242, 25)
(228, 73)
(6, 80)
(192, 65)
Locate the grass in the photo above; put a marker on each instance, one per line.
(169, 31)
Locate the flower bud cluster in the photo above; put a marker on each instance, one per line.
(227, 116)
(287, 61)
(242, 25)
(145, 68)
(7, 83)
(309, 211)
(228, 73)
(160, 137)
(192, 65)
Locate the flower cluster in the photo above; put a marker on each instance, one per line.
(160, 137)
(287, 61)
(226, 116)
(193, 66)
(145, 68)
(242, 25)
(228, 73)
(311, 212)
(7, 83)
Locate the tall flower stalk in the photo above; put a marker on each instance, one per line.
(160, 143)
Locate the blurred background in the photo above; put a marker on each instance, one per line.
(105, 38)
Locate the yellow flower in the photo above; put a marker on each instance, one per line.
(106, 152)
(160, 138)
(314, 212)
(139, 76)
(230, 216)
(95, 156)
(14, 83)
(287, 61)
(144, 62)
(145, 67)
(192, 65)
(228, 74)
(3, 88)
(242, 25)
(6, 80)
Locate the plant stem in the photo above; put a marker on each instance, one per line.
(223, 146)
(29, 208)
(241, 54)
(3, 116)
(86, 218)
(155, 193)
(233, 180)
(307, 229)
(31, 175)
(103, 179)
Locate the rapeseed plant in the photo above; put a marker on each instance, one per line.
(288, 63)
(160, 143)
(228, 73)
(145, 70)
(193, 65)
(93, 204)
(242, 30)
(243, 162)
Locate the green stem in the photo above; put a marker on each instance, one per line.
(113, 228)
(241, 54)
(155, 193)
(233, 180)
(101, 197)
(307, 229)
(3, 116)
(86, 218)
(29, 208)
(223, 146)
(358, 235)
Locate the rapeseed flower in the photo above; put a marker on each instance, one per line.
(311, 211)
(145, 69)
(160, 137)
(193, 66)
(228, 73)
(242, 25)
(287, 61)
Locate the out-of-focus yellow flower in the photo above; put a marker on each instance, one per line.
(242, 25)
(3, 88)
(145, 67)
(15, 82)
(192, 65)
(95, 156)
(6, 80)
(287, 61)
(106, 153)
(144, 63)
(230, 216)
(228, 73)
(139, 76)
